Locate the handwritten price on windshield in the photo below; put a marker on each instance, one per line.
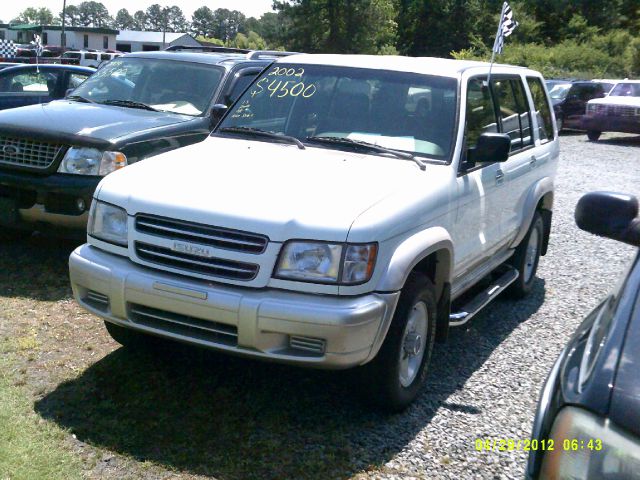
(282, 89)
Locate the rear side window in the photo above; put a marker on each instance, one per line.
(514, 111)
(91, 56)
(240, 84)
(542, 111)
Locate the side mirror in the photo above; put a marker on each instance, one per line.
(611, 215)
(68, 91)
(216, 114)
(491, 147)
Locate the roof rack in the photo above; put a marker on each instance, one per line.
(201, 48)
(258, 54)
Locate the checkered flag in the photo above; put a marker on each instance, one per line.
(8, 49)
(505, 28)
(38, 44)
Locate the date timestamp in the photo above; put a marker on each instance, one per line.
(528, 444)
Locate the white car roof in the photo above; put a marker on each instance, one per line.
(425, 65)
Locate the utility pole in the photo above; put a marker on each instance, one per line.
(63, 40)
(165, 12)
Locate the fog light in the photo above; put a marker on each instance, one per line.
(80, 205)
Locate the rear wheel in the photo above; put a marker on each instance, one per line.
(593, 135)
(526, 258)
(559, 122)
(394, 378)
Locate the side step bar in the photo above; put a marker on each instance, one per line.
(477, 303)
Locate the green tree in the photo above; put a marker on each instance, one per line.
(340, 26)
(124, 20)
(156, 18)
(227, 23)
(140, 20)
(202, 22)
(40, 16)
(252, 41)
(176, 21)
(72, 16)
(94, 14)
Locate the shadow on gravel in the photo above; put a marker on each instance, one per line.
(201, 413)
(625, 141)
(36, 267)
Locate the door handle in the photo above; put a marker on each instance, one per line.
(533, 161)
(499, 177)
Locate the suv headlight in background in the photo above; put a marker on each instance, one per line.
(326, 262)
(587, 446)
(108, 223)
(91, 161)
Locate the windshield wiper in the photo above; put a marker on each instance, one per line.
(263, 133)
(129, 104)
(350, 142)
(79, 98)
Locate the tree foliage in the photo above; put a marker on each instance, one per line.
(40, 16)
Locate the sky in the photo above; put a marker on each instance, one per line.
(251, 8)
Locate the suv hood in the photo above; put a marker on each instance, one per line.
(269, 188)
(83, 122)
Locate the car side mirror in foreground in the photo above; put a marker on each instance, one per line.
(216, 114)
(491, 147)
(611, 215)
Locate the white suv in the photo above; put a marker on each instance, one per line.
(343, 214)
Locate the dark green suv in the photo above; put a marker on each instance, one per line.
(53, 156)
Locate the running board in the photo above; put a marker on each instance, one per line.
(478, 302)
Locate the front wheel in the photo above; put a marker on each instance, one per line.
(526, 258)
(593, 135)
(394, 378)
(559, 123)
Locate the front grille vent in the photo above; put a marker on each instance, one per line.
(211, 266)
(217, 237)
(97, 300)
(184, 325)
(28, 153)
(308, 344)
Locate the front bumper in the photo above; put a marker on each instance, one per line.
(610, 123)
(303, 329)
(51, 199)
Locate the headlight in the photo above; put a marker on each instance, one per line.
(325, 263)
(91, 161)
(586, 446)
(108, 223)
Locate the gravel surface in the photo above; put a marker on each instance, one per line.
(202, 416)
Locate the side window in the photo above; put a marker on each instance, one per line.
(242, 81)
(76, 79)
(481, 116)
(31, 82)
(514, 112)
(542, 111)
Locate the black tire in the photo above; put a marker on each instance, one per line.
(525, 260)
(12, 234)
(559, 123)
(129, 338)
(381, 378)
(593, 135)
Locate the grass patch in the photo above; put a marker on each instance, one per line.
(30, 447)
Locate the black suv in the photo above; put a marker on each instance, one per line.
(53, 156)
(570, 100)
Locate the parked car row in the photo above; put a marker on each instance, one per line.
(328, 211)
(596, 106)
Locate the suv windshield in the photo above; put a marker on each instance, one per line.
(560, 91)
(402, 111)
(166, 85)
(626, 90)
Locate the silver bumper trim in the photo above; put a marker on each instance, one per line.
(353, 328)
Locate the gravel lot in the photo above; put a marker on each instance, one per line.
(198, 415)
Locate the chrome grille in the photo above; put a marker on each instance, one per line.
(615, 110)
(186, 326)
(217, 267)
(224, 238)
(28, 153)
